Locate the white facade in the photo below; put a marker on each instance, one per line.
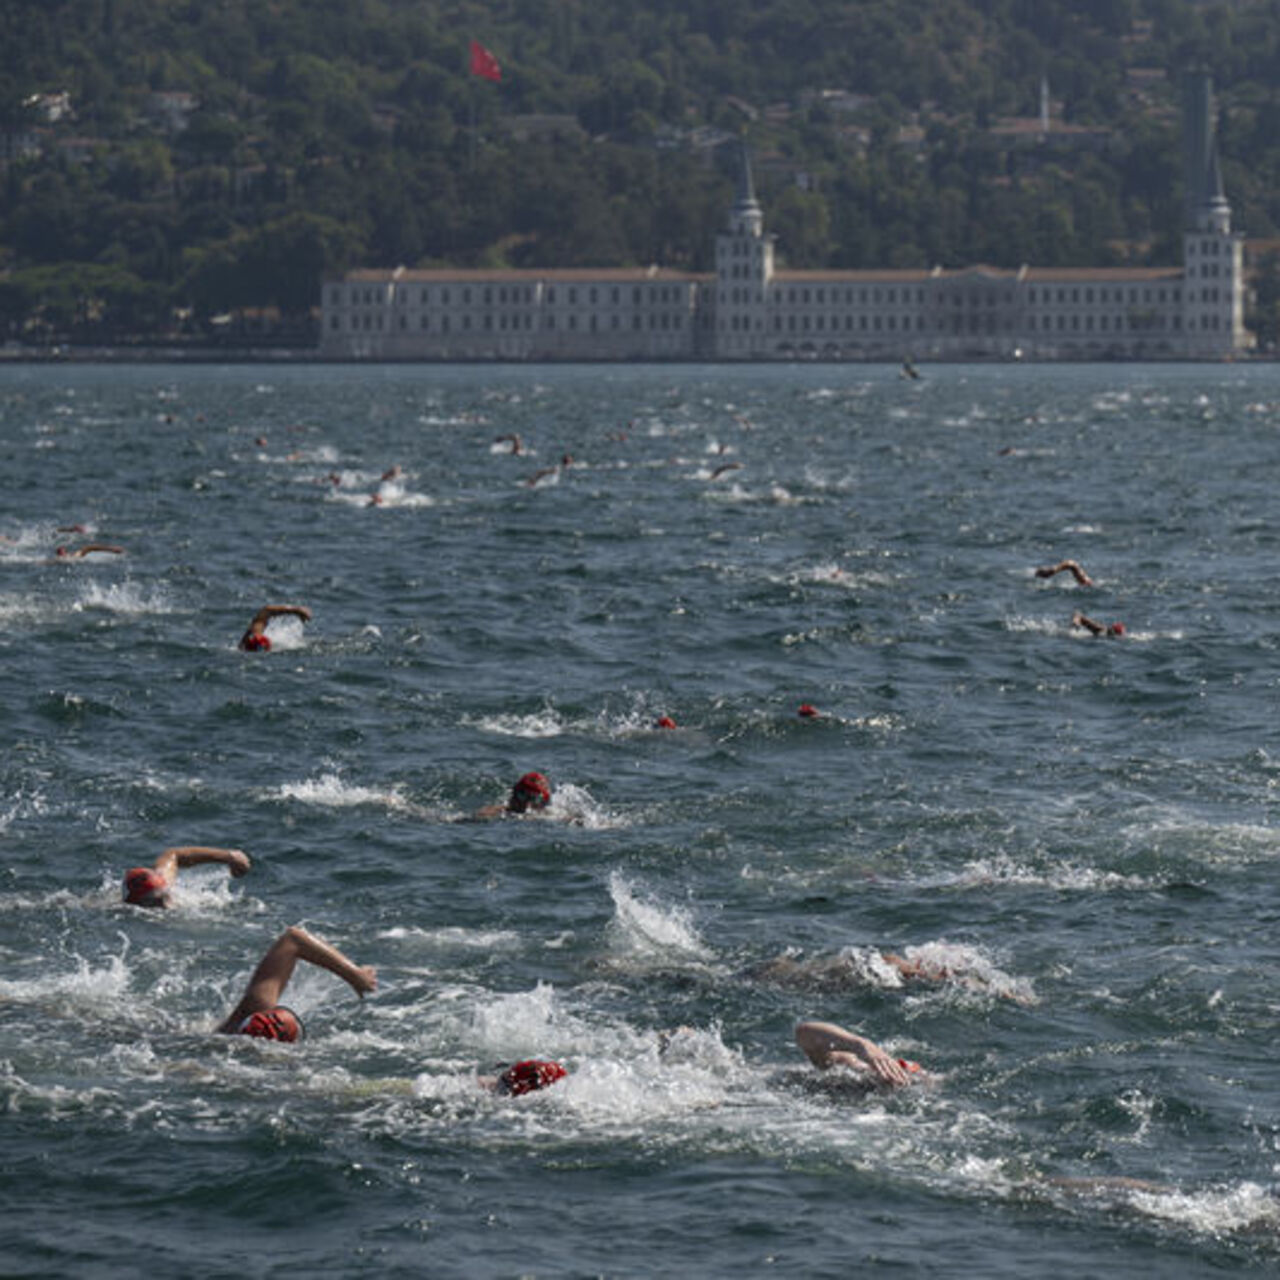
(748, 311)
(510, 315)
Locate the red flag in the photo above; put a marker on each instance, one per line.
(483, 63)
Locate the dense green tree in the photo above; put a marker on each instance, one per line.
(330, 132)
(1264, 317)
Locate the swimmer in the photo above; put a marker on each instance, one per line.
(517, 1078)
(65, 553)
(841, 970)
(255, 638)
(260, 1012)
(517, 445)
(807, 711)
(543, 473)
(724, 468)
(1065, 566)
(664, 722)
(827, 1045)
(1097, 628)
(150, 886)
(859, 967)
(532, 791)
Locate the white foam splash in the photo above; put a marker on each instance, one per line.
(546, 723)
(646, 931)
(124, 598)
(1007, 871)
(329, 791)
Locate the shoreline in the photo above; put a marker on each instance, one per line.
(309, 355)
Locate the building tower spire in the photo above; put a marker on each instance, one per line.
(1206, 202)
(746, 216)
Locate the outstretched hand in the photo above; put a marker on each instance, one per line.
(887, 1068)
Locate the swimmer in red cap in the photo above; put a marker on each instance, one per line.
(519, 1078)
(150, 886)
(1066, 566)
(826, 1046)
(807, 711)
(664, 722)
(260, 1012)
(255, 639)
(532, 791)
(1097, 628)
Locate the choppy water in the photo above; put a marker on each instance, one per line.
(1081, 829)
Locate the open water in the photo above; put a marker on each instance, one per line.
(1079, 830)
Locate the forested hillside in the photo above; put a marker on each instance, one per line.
(195, 158)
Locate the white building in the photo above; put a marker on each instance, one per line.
(750, 310)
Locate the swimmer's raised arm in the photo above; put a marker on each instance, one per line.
(1069, 566)
(274, 970)
(150, 886)
(105, 547)
(827, 1045)
(255, 636)
(171, 861)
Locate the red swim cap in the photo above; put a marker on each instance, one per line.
(533, 791)
(664, 722)
(808, 710)
(253, 643)
(280, 1023)
(1116, 628)
(144, 887)
(531, 1074)
(907, 1065)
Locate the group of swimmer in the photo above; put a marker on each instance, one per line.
(1079, 619)
(259, 1012)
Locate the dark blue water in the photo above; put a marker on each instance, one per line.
(1078, 830)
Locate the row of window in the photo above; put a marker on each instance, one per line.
(443, 295)
(989, 323)
(1133, 322)
(786, 295)
(372, 322)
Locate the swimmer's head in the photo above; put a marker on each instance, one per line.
(280, 1023)
(144, 887)
(1116, 629)
(533, 791)
(664, 722)
(525, 1077)
(808, 711)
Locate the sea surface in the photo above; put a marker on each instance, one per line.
(1074, 835)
